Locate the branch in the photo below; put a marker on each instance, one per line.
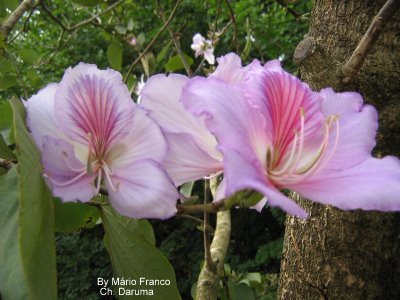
(153, 40)
(54, 18)
(353, 65)
(289, 10)
(232, 14)
(176, 42)
(207, 284)
(14, 17)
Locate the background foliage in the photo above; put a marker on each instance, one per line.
(54, 35)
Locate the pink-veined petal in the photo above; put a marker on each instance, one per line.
(186, 161)
(144, 191)
(227, 114)
(65, 173)
(161, 96)
(144, 141)
(358, 124)
(247, 173)
(371, 185)
(93, 101)
(283, 98)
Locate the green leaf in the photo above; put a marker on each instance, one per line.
(7, 81)
(87, 3)
(163, 52)
(34, 78)
(6, 66)
(140, 39)
(13, 283)
(29, 56)
(71, 217)
(133, 255)
(6, 122)
(114, 56)
(36, 215)
(5, 152)
(120, 29)
(186, 189)
(244, 292)
(130, 24)
(175, 63)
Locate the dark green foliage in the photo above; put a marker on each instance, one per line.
(81, 258)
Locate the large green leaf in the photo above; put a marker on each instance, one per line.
(114, 56)
(13, 284)
(175, 63)
(130, 244)
(7, 81)
(29, 56)
(36, 215)
(70, 217)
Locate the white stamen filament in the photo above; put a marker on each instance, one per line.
(108, 173)
(211, 176)
(71, 181)
(296, 174)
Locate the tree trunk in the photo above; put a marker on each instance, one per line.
(337, 254)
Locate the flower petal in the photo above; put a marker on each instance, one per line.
(144, 191)
(186, 161)
(230, 68)
(93, 101)
(371, 185)
(161, 95)
(227, 113)
(358, 124)
(65, 173)
(246, 173)
(209, 56)
(283, 98)
(40, 115)
(144, 141)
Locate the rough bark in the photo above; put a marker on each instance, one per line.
(336, 254)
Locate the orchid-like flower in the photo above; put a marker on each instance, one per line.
(276, 133)
(202, 46)
(91, 133)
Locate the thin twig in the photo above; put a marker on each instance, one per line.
(176, 42)
(233, 18)
(54, 18)
(26, 26)
(12, 20)
(87, 21)
(211, 207)
(353, 65)
(289, 10)
(209, 227)
(162, 29)
(216, 21)
(6, 164)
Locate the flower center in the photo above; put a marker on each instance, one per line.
(97, 163)
(299, 165)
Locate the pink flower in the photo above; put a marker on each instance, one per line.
(201, 46)
(192, 148)
(275, 133)
(91, 133)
